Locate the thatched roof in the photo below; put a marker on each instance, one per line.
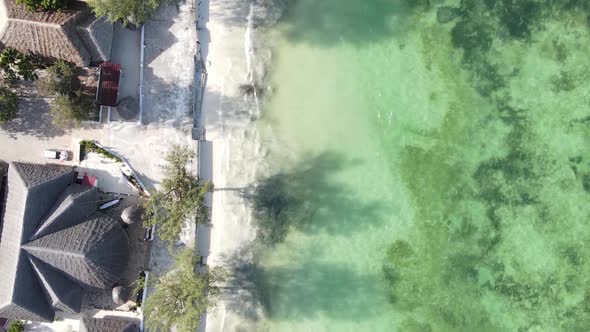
(128, 108)
(132, 214)
(20, 12)
(63, 293)
(108, 324)
(120, 295)
(54, 243)
(74, 203)
(93, 253)
(28, 187)
(98, 32)
(68, 34)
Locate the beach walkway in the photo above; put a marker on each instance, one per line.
(228, 155)
(170, 44)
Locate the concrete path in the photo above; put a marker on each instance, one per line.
(126, 52)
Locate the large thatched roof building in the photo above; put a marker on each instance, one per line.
(74, 34)
(54, 243)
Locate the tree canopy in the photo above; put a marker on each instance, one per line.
(129, 11)
(8, 105)
(69, 111)
(69, 108)
(59, 79)
(182, 296)
(182, 197)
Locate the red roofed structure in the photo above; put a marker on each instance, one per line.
(108, 84)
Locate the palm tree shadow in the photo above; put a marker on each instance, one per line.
(303, 289)
(309, 200)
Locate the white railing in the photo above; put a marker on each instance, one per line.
(141, 58)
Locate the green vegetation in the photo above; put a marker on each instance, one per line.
(182, 197)
(59, 80)
(500, 187)
(138, 285)
(182, 296)
(137, 290)
(8, 105)
(44, 4)
(69, 108)
(70, 111)
(16, 65)
(16, 326)
(91, 146)
(129, 11)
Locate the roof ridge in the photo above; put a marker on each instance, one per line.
(45, 24)
(28, 247)
(81, 51)
(51, 279)
(27, 178)
(62, 206)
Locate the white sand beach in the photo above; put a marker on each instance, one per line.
(232, 143)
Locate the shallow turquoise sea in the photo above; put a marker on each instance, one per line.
(431, 167)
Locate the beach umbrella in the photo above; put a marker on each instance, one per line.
(132, 214)
(120, 295)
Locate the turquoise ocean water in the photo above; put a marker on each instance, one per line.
(431, 167)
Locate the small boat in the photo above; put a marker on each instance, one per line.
(109, 204)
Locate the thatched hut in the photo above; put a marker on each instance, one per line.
(132, 214)
(120, 295)
(128, 108)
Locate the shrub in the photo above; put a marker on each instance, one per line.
(59, 80)
(90, 146)
(129, 11)
(138, 285)
(44, 4)
(8, 105)
(16, 326)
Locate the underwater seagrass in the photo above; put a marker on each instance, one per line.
(500, 241)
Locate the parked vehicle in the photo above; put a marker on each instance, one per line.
(56, 154)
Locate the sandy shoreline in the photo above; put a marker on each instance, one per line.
(231, 153)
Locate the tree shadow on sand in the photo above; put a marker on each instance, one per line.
(308, 199)
(33, 119)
